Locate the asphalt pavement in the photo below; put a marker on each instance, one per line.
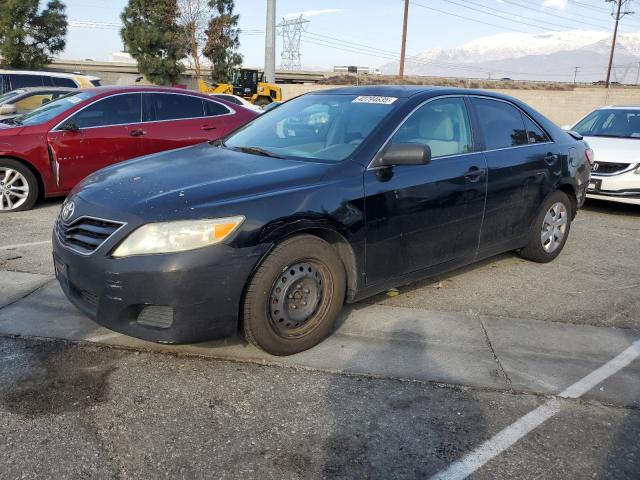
(504, 369)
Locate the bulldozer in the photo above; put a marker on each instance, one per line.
(248, 84)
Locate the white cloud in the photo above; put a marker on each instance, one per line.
(312, 13)
(557, 4)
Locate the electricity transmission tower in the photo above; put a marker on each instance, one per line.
(620, 9)
(291, 30)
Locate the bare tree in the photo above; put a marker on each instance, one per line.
(193, 18)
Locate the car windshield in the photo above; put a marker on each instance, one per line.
(314, 127)
(613, 122)
(52, 109)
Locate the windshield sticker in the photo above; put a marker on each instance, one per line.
(380, 100)
(74, 99)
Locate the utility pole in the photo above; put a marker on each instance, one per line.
(618, 13)
(638, 75)
(403, 49)
(575, 74)
(270, 43)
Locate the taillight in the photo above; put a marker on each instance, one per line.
(589, 156)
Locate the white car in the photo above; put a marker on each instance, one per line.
(614, 135)
(238, 101)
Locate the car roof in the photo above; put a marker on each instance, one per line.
(626, 107)
(5, 71)
(406, 91)
(44, 89)
(138, 88)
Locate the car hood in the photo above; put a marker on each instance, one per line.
(618, 150)
(193, 180)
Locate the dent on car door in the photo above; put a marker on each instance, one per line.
(420, 216)
(521, 158)
(100, 134)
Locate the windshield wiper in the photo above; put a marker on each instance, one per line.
(258, 151)
(13, 121)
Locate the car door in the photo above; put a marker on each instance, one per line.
(521, 162)
(101, 134)
(419, 216)
(174, 120)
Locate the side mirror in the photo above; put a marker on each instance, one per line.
(8, 109)
(69, 127)
(406, 154)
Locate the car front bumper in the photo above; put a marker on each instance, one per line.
(623, 187)
(170, 298)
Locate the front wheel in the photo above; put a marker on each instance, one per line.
(550, 232)
(295, 296)
(18, 186)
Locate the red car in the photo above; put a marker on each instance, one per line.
(46, 152)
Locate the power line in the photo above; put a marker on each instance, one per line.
(556, 14)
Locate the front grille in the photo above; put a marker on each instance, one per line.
(606, 168)
(85, 234)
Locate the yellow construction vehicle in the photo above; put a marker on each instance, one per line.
(248, 84)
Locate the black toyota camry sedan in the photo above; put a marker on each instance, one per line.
(331, 197)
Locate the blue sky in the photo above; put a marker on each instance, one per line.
(93, 32)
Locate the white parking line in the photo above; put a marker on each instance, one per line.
(514, 432)
(20, 245)
(102, 338)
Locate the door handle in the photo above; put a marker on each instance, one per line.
(138, 132)
(550, 158)
(474, 174)
(208, 127)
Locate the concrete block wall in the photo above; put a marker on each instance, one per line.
(562, 107)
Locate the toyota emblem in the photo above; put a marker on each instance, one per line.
(595, 167)
(67, 210)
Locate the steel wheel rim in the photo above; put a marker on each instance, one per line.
(14, 189)
(298, 299)
(554, 227)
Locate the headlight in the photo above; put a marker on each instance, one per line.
(170, 237)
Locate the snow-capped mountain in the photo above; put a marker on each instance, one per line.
(546, 56)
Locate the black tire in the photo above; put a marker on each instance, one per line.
(31, 183)
(303, 259)
(534, 250)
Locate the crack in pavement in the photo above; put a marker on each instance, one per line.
(495, 356)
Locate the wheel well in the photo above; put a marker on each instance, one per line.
(571, 193)
(33, 170)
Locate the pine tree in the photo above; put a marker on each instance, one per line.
(154, 39)
(222, 41)
(30, 37)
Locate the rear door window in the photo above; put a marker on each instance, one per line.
(20, 81)
(501, 123)
(165, 106)
(116, 110)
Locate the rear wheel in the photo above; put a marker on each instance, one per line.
(293, 299)
(18, 186)
(550, 232)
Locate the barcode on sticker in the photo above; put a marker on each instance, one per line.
(380, 100)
